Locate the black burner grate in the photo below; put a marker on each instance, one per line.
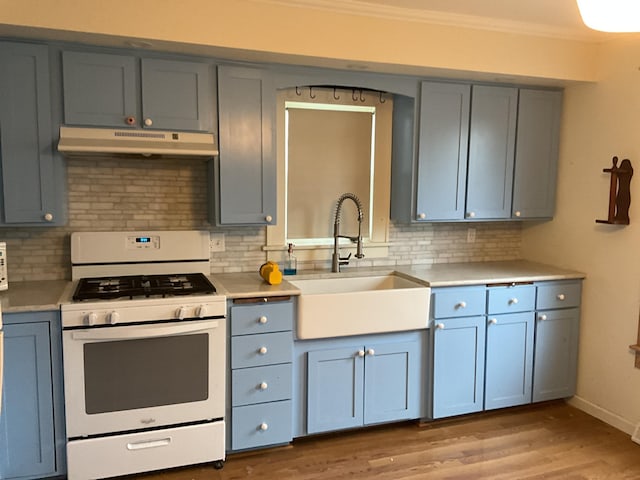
(136, 286)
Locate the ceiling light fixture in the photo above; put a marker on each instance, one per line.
(611, 15)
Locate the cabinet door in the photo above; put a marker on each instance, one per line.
(392, 382)
(27, 438)
(335, 389)
(458, 366)
(491, 152)
(442, 151)
(28, 180)
(536, 163)
(556, 354)
(176, 95)
(100, 89)
(509, 361)
(246, 166)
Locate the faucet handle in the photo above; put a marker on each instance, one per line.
(345, 259)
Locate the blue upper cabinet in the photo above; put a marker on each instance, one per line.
(491, 152)
(534, 191)
(32, 174)
(99, 89)
(176, 95)
(483, 153)
(109, 90)
(442, 151)
(245, 176)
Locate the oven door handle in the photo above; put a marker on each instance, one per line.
(139, 332)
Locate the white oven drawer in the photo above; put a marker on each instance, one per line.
(143, 452)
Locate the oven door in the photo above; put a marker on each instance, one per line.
(127, 378)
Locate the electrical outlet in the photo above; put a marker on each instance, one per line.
(471, 235)
(216, 242)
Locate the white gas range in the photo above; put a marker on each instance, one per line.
(144, 354)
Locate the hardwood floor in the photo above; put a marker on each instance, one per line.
(549, 441)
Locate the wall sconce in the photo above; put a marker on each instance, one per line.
(611, 15)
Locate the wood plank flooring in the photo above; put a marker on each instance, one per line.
(548, 441)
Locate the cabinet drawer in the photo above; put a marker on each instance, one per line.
(261, 318)
(260, 425)
(260, 384)
(265, 349)
(458, 302)
(558, 295)
(521, 298)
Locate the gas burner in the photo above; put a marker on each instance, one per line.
(142, 286)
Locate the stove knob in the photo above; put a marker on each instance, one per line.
(114, 317)
(92, 318)
(181, 313)
(202, 311)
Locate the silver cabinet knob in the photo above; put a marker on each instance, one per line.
(148, 122)
(48, 217)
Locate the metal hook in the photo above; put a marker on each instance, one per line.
(354, 97)
(311, 95)
(298, 92)
(362, 99)
(382, 100)
(335, 97)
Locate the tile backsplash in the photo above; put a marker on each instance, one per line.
(148, 194)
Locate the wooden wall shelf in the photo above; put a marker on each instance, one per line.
(619, 192)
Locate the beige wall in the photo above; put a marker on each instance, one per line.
(600, 121)
(273, 31)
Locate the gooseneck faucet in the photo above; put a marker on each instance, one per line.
(336, 260)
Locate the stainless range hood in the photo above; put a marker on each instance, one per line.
(78, 142)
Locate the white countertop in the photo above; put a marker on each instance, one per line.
(47, 295)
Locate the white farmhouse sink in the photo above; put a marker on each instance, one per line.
(336, 307)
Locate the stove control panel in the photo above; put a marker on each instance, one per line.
(140, 311)
(151, 242)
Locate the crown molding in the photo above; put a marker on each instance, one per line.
(389, 12)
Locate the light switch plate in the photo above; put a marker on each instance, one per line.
(216, 242)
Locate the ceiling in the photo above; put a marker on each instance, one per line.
(544, 17)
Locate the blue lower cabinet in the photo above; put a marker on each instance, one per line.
(556, 354)
(458, 365)
(363, 384)
(31, 423)
(260, 383)
(260, 425)
(509, 360)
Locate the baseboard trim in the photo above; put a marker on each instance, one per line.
(606, 416)
(636, 434)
